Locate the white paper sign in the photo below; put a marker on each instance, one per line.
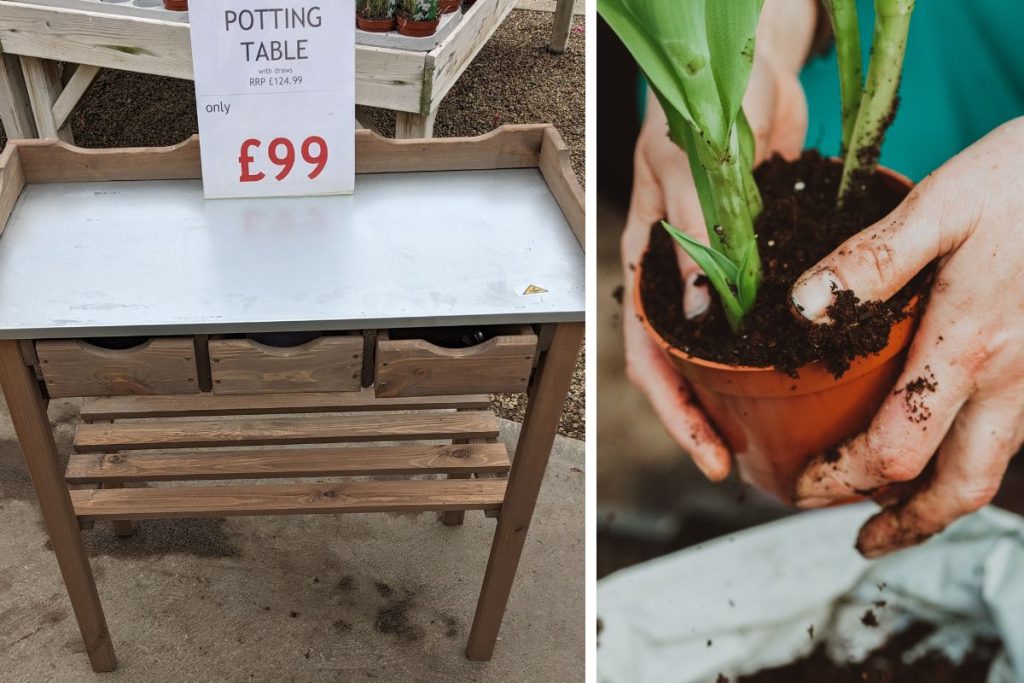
(275, 92)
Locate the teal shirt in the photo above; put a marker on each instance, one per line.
(963, 75)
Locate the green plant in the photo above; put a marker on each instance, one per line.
(867, 114)
(420, 10)
(377, 9)
(697, 56)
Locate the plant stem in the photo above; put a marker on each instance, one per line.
(878, 102)
(843, 15)
(735, 230)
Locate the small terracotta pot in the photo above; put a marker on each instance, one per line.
(176, 5)
(774, 423)
(446, 6)
(416, 29)
(375, 25)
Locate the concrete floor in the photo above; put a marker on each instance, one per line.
(385, 597)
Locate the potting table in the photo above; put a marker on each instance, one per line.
(120, 244)
(141, 36)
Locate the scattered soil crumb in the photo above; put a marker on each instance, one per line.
(914, 395)
(832, 455)
(384, 589)
(618, 293)
(869, 619)
(810, 631)
(721, 679)
(887, 664)
(393, 619)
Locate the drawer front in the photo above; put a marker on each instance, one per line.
(415, 367)
(72, 367)
(243, 366)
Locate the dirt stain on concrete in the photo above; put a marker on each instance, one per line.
(205, 537)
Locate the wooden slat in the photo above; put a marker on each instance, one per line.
(557, 170)
(285, 499)
(284, 430)
(15, 107)
(305, 462)
(12, 181)
(80, 81)
(127, 407)
(451, 57)
(512, 146)
(43, 83)
(148, 46)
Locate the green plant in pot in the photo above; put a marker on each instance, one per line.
(778, 388)
(418, 18)
(376, 15)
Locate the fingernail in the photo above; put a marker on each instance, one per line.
(696, 298)
(812, 297)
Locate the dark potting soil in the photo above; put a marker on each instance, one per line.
(796, 229)
(885, 664)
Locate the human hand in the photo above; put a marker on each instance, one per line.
(663, 188)
(967, 355)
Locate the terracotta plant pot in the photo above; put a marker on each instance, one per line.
(446, 6)
(375, 25)
(176, 5)
(416, 29)
(775, 423)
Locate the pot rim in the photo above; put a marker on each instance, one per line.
(755, 369)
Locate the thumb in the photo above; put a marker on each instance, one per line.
(876, 263)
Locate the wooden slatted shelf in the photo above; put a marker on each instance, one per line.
(212, 405)
(284, 499)
(489, 458)
(285, 430)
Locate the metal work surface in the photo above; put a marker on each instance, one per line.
(407, 249)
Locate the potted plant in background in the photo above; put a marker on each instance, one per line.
(176, 5)
(778, 388)
(376, 15)
(446, 6)
(417, 18)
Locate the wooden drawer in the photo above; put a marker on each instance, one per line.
(73, 367)
(244, 366)
(416, 367)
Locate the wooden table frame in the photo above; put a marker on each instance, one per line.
(34, 102)
(471, 483)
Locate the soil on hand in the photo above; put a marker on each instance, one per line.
(798, 227)
(886, 665)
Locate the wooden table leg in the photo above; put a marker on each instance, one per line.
(15, 108)
(44, 87)
(563, 22)
(410, 125)
(25, 404)
(546, 397)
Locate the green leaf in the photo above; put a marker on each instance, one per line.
(731, 26)
(746, 284)
(747, 142)
(643, 43)
(728, 268)
(700, 177)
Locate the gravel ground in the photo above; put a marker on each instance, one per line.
(514, 79)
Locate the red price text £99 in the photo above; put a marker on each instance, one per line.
(281, 153)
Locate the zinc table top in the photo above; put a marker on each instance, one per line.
(153, 257)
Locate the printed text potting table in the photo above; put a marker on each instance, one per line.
(139, 35)
(121, 284)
